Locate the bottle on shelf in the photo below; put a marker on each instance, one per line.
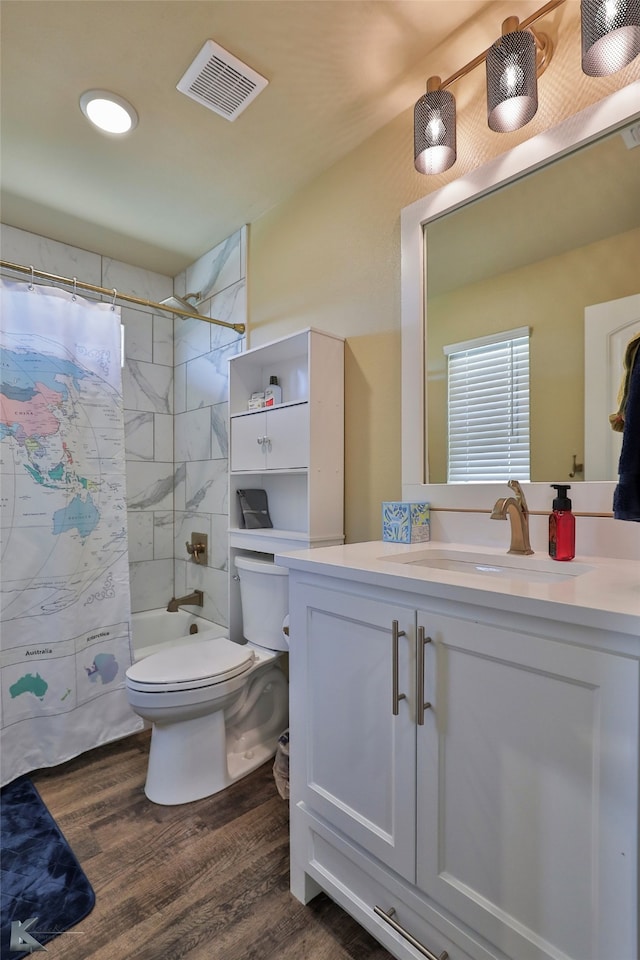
(273, 393)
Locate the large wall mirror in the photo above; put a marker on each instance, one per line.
(529, 240)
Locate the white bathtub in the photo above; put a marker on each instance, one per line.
(156, 630)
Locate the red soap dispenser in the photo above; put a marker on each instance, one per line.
(562, 526)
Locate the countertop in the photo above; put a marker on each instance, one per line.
(601, 593)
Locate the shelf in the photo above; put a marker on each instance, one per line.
(277, 406)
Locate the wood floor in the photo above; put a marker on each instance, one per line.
(203, 881)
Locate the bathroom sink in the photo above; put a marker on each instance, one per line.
(531, 569)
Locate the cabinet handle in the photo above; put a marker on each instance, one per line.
(421, 642)
(260, 440)
(397, 696)
(388, 918)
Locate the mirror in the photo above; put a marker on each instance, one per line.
(453, 243)
(535, 254)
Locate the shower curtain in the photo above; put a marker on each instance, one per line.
(64, 582)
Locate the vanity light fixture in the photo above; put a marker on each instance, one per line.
(610, 35)
(109, 112)
(512, 82)
(434, 127)
(610, 41)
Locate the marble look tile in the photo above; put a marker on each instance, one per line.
(214, 585)
(193, 435)
(207, 486)
(231, 306)
(26, 248)
(186, 523)
(180, 492)
(216, 269)
(191, 338)
(219, 431)
(147, 386)
(163, 437)
(150, 486)
(163, 537)
(140, 535)
(138, 435)
(135, 280)
(151, 584)
(163, 339)
(137, 334)
(180, 388)
(208, 378)
(219, 543)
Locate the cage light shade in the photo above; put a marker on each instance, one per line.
(512, 84)
(434, 132)
(610, 35)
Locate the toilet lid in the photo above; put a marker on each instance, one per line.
(192, 665)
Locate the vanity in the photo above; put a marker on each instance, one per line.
(465, 748)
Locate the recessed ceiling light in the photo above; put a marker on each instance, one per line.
(109, 112)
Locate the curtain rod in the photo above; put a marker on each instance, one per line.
(130, 298)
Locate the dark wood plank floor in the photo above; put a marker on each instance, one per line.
(203, 881)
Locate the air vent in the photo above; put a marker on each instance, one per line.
(221, 82)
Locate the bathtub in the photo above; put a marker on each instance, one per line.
(156, 630)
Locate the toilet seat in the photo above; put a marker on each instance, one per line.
(204, 663)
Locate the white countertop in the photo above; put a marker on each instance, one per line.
(600, 592)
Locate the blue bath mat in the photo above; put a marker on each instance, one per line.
(39, 874)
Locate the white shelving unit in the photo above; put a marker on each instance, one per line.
(294, 451)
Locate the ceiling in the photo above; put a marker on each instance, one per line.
(186, 178)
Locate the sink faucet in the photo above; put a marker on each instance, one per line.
(196, 598)
(518, 512)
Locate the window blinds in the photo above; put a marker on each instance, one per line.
(488, 404)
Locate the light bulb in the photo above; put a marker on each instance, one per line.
(512, 78)
(435, 129)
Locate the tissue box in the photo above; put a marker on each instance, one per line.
(404, 522)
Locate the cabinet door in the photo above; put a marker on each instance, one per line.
(356, 768)
(287, 431)
(248, 450)
(528, 791)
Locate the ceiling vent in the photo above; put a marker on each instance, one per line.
(221, 82)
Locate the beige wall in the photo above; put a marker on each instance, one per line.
(330, 257)
(549, 297)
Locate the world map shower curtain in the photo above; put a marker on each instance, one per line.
(64, 580)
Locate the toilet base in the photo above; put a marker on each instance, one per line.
(187, 760)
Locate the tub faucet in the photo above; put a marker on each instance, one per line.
(196, 598)
(518, 512)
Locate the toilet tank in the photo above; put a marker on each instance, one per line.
(264, 595)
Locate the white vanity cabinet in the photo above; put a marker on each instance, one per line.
(498, 821)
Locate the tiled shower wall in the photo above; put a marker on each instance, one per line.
(201, 391)
(175, 375)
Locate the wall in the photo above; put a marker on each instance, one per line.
(201, 381)
(330, 257)
(192, 481)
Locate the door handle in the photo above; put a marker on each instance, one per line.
(421, 706)
(395, 681)
(388, 918)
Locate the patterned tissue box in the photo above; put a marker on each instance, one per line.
(404, 522)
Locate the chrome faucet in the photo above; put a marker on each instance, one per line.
(196, 598)
(518, 512)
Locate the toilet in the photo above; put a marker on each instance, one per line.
(217, 707)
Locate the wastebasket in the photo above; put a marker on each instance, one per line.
(281, 765)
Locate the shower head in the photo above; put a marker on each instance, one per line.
(180, 303)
